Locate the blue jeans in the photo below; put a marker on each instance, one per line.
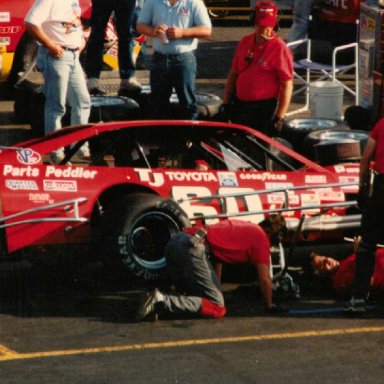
(301, 12)
(64, 81)
(101, 12)
(178, 72)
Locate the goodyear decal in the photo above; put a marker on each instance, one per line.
(263, 176)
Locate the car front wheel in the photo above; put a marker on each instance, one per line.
(135, 230)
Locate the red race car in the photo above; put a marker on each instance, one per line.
(146, 180)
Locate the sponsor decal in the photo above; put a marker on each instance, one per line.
(279, 198)
(190, 176)
(10, 30)
(28, 156)
(10, 170)
(60, 185)
(70, 172)
(51, 171)
(40, 198)
(278, 185)
(330, 195)
(26, 185)
(315, 179)
(263, 176)
(227, 179)
(5, 17)
(5, 40)
(310, 199)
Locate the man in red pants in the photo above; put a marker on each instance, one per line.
(196, 283)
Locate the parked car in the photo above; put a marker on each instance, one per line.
(146, 180)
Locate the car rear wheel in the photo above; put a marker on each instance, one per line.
(135, 230)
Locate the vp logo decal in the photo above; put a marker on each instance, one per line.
(28, 156)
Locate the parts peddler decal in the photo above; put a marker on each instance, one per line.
(51, 171)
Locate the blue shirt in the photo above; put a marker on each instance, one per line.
(183, 14)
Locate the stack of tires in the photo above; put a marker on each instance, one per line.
(29, 108)
(325, 141)
(208, 105)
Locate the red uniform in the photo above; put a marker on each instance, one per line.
(342, 280)
(236, 241)
(377, 134)
(261, 68)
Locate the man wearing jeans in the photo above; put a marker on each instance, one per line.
(175, 26)
(56, 25)
(123, 14)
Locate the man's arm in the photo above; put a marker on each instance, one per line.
(284, 98)
(199, 31)
(230, 86)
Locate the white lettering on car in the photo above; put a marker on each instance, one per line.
(262, 176)
(60, 185)
(70, 172)
(10, 170)
(339, 3)
(191, 176)
(232, 204)
(154, 179)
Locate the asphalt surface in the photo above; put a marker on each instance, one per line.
(64, 318)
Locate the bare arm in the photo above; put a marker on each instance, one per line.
(37, 32)
(284, 98)
(230, 86)
(366, 157)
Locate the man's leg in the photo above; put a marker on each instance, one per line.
(56, 75)
(183, 74)
(78, 95)
(161, 88)
(101, 11)
(124, 10)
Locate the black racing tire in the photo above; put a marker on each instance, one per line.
(337, 134)
(113, 108)
(331, 152)
(208, 105)
(134, 231)
(297, 129)
(25, 52)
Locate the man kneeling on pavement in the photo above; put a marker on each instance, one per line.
(197, 285)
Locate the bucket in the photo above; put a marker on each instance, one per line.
(326, 99)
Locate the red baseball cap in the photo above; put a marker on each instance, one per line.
(266, 14)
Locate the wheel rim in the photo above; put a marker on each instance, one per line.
(148, 236)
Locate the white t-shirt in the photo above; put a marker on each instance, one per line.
(59, 19)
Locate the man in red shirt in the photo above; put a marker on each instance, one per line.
(371, 201)
(342, 272)
(196, 283)
(258, 89)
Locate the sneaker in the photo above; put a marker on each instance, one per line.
(131, 85)
(147, 309)
(355, 306)
(94, 87)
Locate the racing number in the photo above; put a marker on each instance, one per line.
(193, 209)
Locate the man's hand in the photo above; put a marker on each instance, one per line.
(174, 33)
(278, 122)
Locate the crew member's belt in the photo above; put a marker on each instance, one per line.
(172, 56)
(70, 49)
